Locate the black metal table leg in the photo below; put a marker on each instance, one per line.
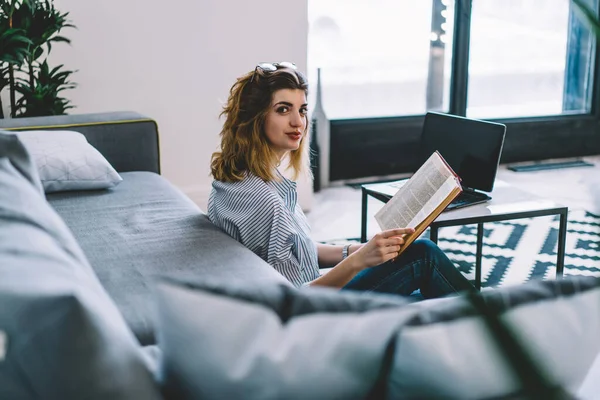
(478, 256)
(433, 234)
(363, 217)
(560, 251)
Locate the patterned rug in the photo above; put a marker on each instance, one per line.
(525, 249)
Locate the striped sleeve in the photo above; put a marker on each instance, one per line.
(253, 214)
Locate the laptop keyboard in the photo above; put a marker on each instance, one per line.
(467, 198)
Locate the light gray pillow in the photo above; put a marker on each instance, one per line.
(63, 336)
(450, 350)
(217, 346)
(66, 161)
(271, 341)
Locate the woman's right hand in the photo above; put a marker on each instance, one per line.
(382, 247)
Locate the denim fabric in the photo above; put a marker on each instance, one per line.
(422, 266)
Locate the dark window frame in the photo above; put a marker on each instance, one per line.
(374, 148)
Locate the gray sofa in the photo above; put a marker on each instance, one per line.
(145, 226)
(88, 276)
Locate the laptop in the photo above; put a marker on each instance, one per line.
(471, 147)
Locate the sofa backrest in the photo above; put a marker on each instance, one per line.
(128, 140)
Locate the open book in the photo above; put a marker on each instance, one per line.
(421, 199)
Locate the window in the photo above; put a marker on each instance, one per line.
(530, 64)
(386, 58)
(381, 58)
(520, 53)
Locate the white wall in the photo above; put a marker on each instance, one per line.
(175, 62)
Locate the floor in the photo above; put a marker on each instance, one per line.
(335, 213)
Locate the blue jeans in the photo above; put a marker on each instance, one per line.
(423, 265)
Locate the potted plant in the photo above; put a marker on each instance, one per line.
(28, 28)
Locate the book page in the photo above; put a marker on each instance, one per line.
(419, 197)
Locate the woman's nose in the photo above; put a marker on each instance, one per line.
(296, 119)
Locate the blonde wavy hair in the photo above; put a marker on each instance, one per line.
(244, 145)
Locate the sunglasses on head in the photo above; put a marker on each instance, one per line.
(265, 66)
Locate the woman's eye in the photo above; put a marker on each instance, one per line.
(282, 109)
(303, 111)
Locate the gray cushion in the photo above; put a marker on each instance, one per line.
(590, 388)
(64, 336)
(215, 346)
(322, 343)
(145, 227)
(556, 322)
(66, 161)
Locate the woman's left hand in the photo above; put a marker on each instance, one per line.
(382, 247)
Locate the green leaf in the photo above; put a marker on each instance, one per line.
(60, 39)
(38, 53)
(13, 46)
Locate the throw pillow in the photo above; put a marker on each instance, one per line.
(450, 348)
(270, 341)
(63, 337)
(217, 346)
(66, 161)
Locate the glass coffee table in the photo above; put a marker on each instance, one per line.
(507, 203)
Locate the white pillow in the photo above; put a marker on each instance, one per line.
(66, 161)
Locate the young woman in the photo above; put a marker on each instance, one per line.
(266, 123)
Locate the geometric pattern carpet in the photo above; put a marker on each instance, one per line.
(524, 249)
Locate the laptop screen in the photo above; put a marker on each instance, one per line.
(471, 147)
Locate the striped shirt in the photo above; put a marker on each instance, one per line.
(266, 218)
